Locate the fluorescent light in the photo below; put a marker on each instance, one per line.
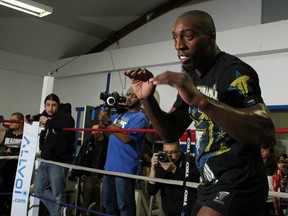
(28, 6)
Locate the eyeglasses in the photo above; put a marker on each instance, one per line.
(15, 121)
(172, 152)
(133, 95)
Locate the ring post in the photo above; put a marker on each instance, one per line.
(25, 169)
(186, 178)
(47, 88)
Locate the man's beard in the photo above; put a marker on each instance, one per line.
(189, 68)
(134, 105)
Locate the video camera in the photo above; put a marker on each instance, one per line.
(112, 99)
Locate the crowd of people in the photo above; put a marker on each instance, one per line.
(10, 144)
(54, 144)
(235, 136)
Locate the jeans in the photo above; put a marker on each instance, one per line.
(118, 195)
(50, 183)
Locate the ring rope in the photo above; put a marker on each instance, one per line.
(277, 130)
(12, 121)
(146, 178)
(111, 130)
(69, 205)
(8, 157)
(159, 180)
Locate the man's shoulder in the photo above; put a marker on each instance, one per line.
(228, 61)
(65, 109)
(137, 114)
(9, 133)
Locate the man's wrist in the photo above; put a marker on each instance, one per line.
(172, 169)
(107, 123)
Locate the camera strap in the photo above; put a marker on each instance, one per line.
(186, 177)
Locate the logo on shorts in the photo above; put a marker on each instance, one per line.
(221, 197)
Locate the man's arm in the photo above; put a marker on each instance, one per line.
(152, 187)
(59, 122)
(106, 122)
(170, 126)
(154, 161)
(123, 136)
(252, 125)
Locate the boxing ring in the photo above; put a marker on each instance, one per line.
(27, 157)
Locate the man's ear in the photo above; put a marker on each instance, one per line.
(213, 36)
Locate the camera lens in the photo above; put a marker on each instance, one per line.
(110, 101)
(162, 157)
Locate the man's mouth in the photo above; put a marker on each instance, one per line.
(183, 58)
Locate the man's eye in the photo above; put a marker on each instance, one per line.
(188, 37)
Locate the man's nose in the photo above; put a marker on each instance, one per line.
(179, 44)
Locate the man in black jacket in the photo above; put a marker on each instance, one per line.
(92, 154)
(55, 145)
(170, 164)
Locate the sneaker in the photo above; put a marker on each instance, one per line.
(92, 205)
(67, 212)
(31, 189)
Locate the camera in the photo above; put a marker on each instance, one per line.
(163, 157)
(112, 99)
(28, 118)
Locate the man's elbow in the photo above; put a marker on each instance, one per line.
(268, 139)
(267, 136)
(171, 135)
(127, 140)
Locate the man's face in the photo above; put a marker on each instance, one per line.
(173, 151)
(131, 98)
(51, 107)
(265, 153)
(15, 126)
(192, 44)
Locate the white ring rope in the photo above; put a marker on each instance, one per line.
(159, 180)
(146, 178)
(8, 157)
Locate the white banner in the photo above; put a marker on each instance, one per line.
(25, 169)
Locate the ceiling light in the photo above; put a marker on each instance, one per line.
(28, 6)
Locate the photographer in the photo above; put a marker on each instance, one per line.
(124, 153)
(170, 164)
